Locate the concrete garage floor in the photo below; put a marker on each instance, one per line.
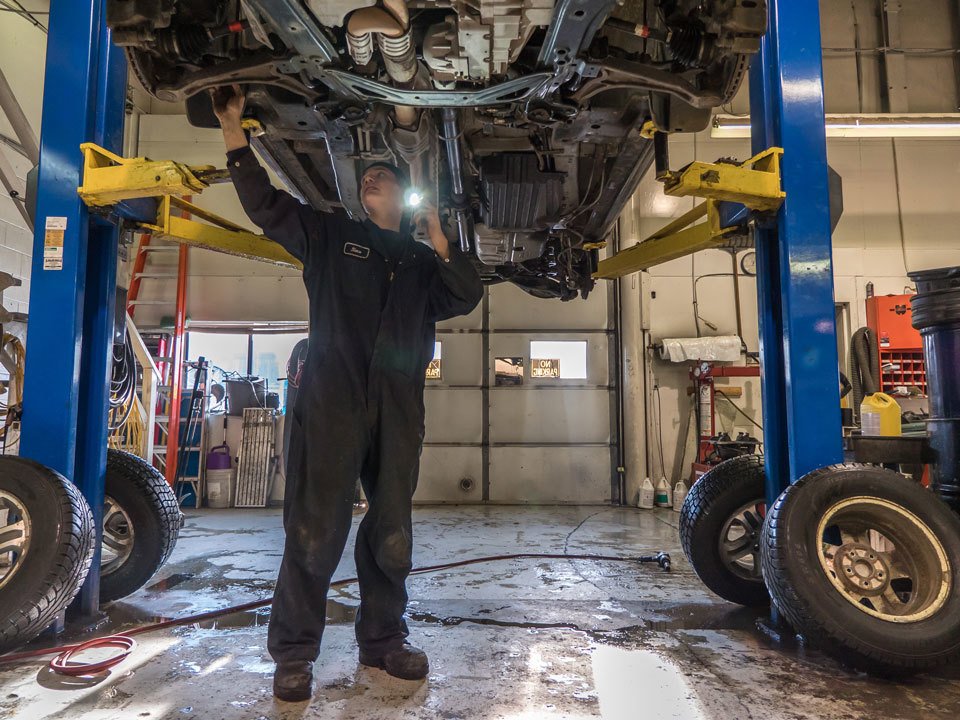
(515, 640)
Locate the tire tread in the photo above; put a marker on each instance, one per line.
(64, 578)
(802, 616)
(151, 485)
(703, 497)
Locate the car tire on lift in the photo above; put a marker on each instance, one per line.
(48, 535)
(141, 524)
(866, 564)
(720, 524)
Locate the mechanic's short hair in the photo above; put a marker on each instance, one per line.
(399, 174)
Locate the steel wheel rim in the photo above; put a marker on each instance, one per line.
(740, 540)
(887, 562)
(15, 536)
(118, 535)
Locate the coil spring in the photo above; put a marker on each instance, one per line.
(686, 44)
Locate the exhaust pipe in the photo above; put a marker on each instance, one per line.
(391, 27)
(451, 140)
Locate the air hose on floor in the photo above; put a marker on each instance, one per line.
(63, 665)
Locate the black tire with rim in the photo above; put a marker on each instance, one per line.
(141, 524)
(720, 524)
(865, 564)
(46, 546)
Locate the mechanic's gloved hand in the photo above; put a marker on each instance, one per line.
(228, 104)
(427, 220)
(228, 107)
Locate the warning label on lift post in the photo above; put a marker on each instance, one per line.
(54, 230)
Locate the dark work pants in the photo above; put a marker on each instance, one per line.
(335, 439)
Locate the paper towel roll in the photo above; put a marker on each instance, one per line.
(723, 348)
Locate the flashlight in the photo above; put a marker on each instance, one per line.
(413, 198)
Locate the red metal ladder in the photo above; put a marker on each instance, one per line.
(170, 350)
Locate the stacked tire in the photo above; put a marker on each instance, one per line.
(722, 515)
(46, 546)
(860, 561)
(47, 539)
(141, 516)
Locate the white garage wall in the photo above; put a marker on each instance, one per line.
(22, 56)
(16, 238)
(900, 215)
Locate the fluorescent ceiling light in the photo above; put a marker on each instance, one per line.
(858, 126)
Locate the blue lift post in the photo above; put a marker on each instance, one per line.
(72, 298)
(798, 343)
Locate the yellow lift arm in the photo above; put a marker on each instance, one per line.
(754, 183)
(109, 179)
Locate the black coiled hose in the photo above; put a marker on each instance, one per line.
(864, 367)
(123, 384)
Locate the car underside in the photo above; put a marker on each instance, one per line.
(527, 120)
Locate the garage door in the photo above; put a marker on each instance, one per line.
(521, 405)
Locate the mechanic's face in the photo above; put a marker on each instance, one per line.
(380, 191)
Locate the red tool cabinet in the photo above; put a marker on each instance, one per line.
(901, 349)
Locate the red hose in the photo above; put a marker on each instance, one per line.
(61, 663)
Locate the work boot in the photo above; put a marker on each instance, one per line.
(293, 681)
(406, 662)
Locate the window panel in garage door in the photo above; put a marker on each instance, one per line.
(546, 440)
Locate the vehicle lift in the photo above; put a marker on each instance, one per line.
(783, 195)
(73, 283)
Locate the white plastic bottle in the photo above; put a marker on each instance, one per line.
(679, 494)
(664, 495)
(647, 493)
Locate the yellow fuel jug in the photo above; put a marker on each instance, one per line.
(880, 415)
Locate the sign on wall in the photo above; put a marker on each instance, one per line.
(435, 368)
(545, 368)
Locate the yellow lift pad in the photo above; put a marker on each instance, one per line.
(109, 179)
(755, 183)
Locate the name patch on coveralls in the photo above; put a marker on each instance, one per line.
(357, 251)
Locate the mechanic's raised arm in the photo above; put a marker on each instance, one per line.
(282, 217)
(456, 288)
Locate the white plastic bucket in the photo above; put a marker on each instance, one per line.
(219, 488)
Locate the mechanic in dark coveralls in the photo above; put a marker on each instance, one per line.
(375, 295)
